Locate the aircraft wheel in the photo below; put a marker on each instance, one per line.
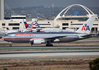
(10, 44)
(49, 44)
(31, 43)
(46, 44)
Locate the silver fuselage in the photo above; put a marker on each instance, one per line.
(24, 37)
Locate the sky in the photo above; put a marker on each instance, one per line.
(48, 3)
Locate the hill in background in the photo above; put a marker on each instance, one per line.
(41, 12)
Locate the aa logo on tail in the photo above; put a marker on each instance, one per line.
(85, 27)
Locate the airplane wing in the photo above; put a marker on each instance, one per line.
(54, 38)
(50, 38)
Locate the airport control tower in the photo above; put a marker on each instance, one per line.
(1, 9)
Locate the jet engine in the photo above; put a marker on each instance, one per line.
(37, 41)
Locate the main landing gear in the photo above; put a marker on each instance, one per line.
(31, 43)
(49, 44)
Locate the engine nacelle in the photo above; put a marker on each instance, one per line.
(37, 41)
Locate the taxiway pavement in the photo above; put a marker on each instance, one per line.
(50, 54)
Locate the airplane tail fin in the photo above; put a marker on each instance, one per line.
(26, 25)
(29, 29)
(87, 26)
(38, 28)
(30, 26)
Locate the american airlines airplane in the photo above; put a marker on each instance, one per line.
(51, 37)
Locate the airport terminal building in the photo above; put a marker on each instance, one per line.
(62, 20)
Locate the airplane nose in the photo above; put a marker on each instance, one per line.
(2, 38)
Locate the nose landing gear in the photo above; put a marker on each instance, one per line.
(10, 44)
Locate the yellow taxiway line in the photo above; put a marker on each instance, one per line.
(41, 56)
